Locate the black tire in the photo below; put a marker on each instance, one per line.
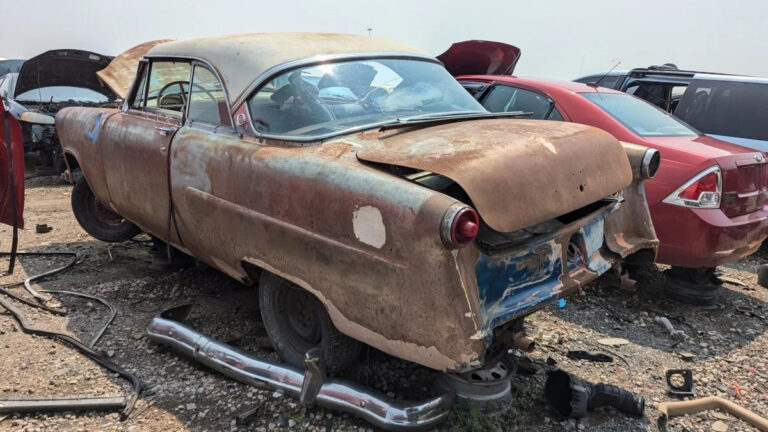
(698, 286)
(296, 321)
(96, 219)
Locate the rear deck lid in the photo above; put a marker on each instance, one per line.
(478, 57)
(517, 173)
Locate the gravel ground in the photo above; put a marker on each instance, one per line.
(724, 347)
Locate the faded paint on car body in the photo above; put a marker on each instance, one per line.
(290, 209)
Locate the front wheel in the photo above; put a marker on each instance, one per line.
(296, 322)
(98, 220)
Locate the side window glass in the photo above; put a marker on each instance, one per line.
(507, 99)
(206, 98)
(555, 115)
(168, 85)
(140, 97)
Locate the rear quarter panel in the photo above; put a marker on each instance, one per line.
(363, 241)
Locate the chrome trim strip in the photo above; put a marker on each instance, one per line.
(342, 395)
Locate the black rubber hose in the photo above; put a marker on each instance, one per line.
(569, 396)
(611, 395)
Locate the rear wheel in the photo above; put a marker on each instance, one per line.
(695, 286)
(98, 220)
(296, 322)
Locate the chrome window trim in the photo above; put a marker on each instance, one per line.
(189, 122)
(205, 63)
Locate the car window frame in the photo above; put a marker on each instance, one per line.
(226, 121)
(554, 105)
(137, 83)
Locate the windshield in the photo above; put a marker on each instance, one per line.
(61, 94)
(327, 99)
(639, 116)
(728, 108)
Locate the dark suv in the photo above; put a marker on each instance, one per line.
(728, 107)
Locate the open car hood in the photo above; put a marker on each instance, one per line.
(64, 67)
(121, 71)
(517, 173)
(477, 57)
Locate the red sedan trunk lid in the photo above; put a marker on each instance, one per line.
(745, 172)
(478, 57)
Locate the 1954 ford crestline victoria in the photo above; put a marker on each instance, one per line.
(369, 196)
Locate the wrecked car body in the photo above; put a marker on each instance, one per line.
(47, 83)
(369, 196)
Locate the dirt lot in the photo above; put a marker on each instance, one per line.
(729, 347)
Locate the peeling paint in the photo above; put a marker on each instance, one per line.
(93, 134)
(368, 226)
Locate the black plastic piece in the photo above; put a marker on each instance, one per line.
(595, 356)
(687, 389)
(569, 396)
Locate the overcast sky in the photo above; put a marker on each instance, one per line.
(559, 39)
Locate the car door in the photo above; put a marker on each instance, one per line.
(135, 143)
(205, 156)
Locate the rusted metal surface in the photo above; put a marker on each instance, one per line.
(364, 241)
(120, 72)
(549, 168)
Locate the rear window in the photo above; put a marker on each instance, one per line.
(730, 108)
(639, 116)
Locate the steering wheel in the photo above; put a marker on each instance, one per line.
(172, 106)
(183, 95)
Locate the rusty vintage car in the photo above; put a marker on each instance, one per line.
(367, 194)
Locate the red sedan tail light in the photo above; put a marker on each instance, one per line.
(702, 191)
(460, 226)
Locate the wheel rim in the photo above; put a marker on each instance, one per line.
(102, 213)
(301, 320)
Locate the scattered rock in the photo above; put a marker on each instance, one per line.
(612, 341)
(719, 426)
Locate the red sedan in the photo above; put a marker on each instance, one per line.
(708, 199)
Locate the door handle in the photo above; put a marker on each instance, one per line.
(165, 131)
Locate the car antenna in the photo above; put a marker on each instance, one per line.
(597, 83)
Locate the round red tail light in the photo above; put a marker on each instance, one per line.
(463, 224)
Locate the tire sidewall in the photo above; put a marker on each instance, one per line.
(270, 287)
(82, 196)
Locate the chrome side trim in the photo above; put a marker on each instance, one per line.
(381, 411)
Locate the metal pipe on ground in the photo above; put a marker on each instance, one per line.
(379, 410)
(9, 406)
(672, 409)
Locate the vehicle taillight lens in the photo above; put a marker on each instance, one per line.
(460, 227)
(702, 191)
